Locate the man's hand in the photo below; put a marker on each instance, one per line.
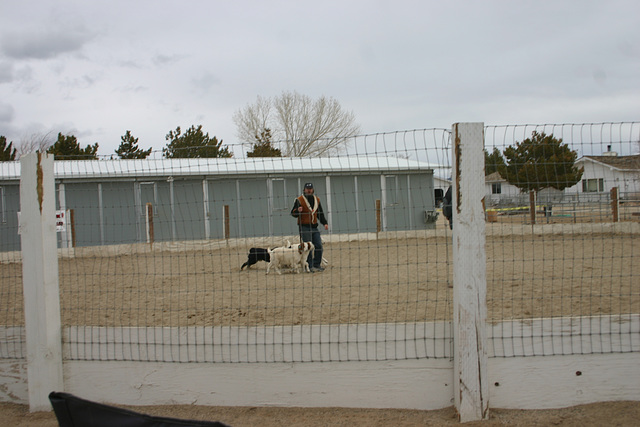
(326, 226)
(299, 208)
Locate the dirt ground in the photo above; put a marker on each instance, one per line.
(597, 414)
(398, 280)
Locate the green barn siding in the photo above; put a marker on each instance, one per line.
(422, 199)
(188, 209)
(145, 193)
(158, 193)
(253, 211)
(281, 202)
(223, 193)
(114, 211)
(344, 217)
(395, 208)
(10, 205)
(83, 198)
(369, 190)
(119, 214)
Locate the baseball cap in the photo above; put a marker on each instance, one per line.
(308, 185)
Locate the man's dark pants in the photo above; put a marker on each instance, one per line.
(310, 233)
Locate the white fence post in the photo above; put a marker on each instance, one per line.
(40, 279)
(471, 387)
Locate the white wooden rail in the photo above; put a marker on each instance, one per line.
(123, 365)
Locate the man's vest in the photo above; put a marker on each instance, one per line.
(309, 215)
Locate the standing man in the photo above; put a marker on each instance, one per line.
(308, 210)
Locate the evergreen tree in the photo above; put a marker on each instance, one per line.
(7, 152)
(263, 147)
(194, 143)
(541, 161)
(493, 162)
(67, 148)
(128, 148)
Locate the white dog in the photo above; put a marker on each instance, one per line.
(294, 257)
(324, 263)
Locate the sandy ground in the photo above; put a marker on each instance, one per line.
(597, 414)
(399, 280)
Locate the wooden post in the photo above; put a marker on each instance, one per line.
(615, 204)
(471, 384)
(378, 216)
(532, 206)
(40, 279)
(149, 221)
(72, 219)
(207, 214)
(227, 223)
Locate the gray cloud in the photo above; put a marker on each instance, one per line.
(205, 82)
(6, 72)
(162, 59)
(43, 44)
(25, 82)
(396, 65)
(130, 64)
(6, 113)
(82, 82)
(132, 89)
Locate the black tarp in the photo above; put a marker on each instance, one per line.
(72, 411)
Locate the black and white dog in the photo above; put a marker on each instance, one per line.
(255, 255)
(262, 254)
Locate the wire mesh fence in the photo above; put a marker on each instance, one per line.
(562, 216)
(12, 338)
(151, 252)
(151, 256)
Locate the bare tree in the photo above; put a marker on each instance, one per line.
(300, 126)
(36, 142)
(253, 120)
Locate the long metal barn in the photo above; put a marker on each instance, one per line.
(115, 201)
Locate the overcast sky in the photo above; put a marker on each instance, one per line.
(96, 69)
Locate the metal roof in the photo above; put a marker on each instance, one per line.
(631, 163)
(494, 177)
(84, 169)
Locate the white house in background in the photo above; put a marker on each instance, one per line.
(498, 190)
(602, 173)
